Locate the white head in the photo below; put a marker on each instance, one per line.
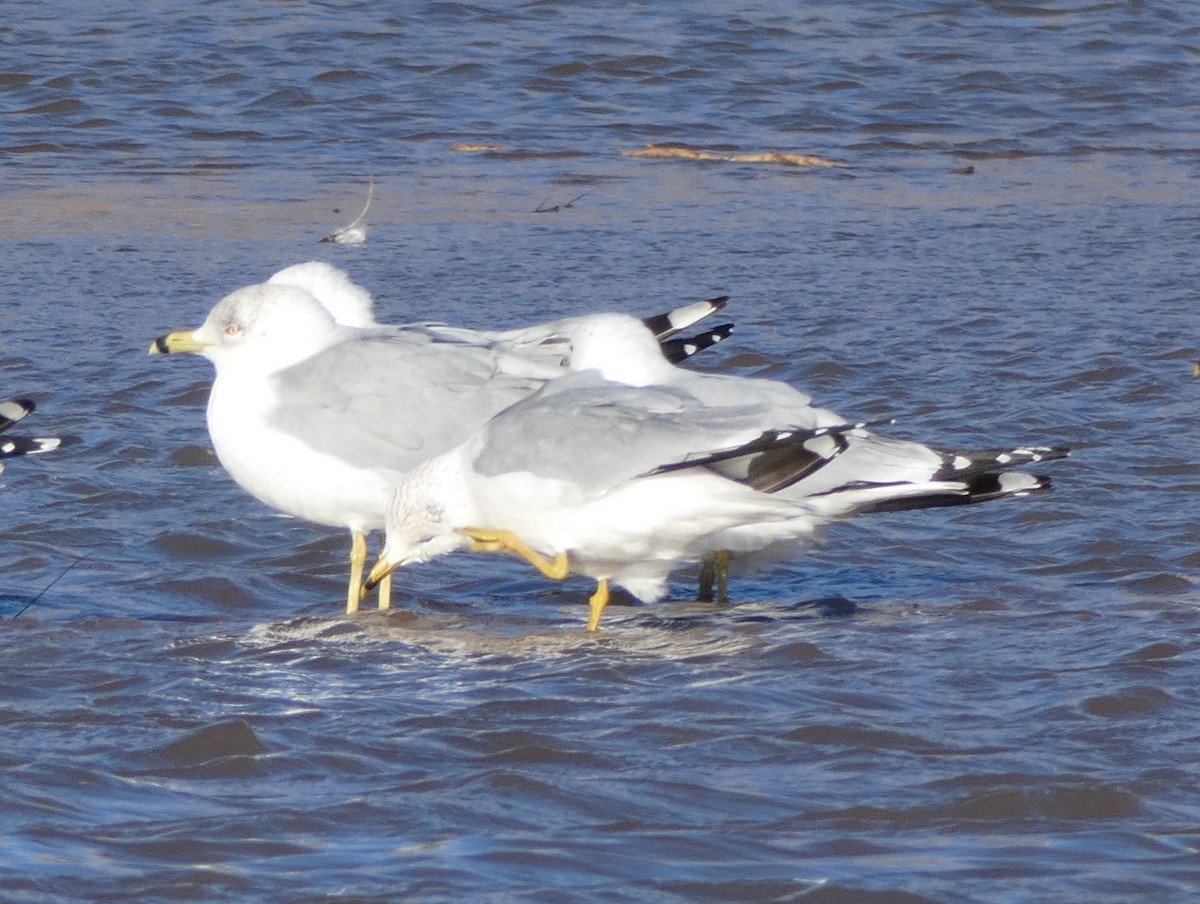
(263, 327)
(348, 302)
(621, 348)
(422, 521)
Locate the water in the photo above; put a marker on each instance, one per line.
(990, 704)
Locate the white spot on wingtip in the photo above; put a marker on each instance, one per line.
(961, 462)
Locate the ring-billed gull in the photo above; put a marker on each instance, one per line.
(13, 411)
(629, 466)
(319, 419)
(352, 305)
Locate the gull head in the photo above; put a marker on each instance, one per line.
(348, 302)
(621, 348)
(420, 523)
(267, 326)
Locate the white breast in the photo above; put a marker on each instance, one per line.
(285, 473)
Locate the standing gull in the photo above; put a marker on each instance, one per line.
(320, 419)
(630, 466)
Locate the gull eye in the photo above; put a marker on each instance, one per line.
(232, 329)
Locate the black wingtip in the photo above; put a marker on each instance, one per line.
(676, 350)
(964, 465)
(14, 410)
(664, 326)
(16, 446)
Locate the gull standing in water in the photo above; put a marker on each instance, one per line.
(319, 418)
(630, 466)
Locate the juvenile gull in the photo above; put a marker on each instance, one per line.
(319, 419)
(629, 466)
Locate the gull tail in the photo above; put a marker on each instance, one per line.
(680, 349)
(664, 326)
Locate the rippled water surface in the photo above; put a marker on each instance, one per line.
(990, 704)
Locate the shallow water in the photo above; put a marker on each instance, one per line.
(990, 704)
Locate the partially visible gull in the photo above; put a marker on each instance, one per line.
(12, 411)
(355, 232)
(629, 466)
(352, 305)
(347, 302)
(319, 419)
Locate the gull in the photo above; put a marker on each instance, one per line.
(629, 466)
(347, 302)
(12, 411)
(352, 305)
(355, 233)
(319, 419)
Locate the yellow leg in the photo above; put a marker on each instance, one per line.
(385, 593)
(358, 559)
(507, 541)
(721, 559)
(596, 604)
(704, 583)
(714, 571)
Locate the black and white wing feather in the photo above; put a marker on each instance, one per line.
(13, 411)
(877, 474)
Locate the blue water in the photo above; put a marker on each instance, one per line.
(990, 704)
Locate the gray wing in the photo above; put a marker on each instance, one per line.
(597, 434)
(550, 343)
(383, 400)
(788, 405)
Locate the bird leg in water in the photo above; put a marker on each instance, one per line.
(715, 569)
(507, 541)
(385, 592)
(358, 559)
(380, 576)
(596, 603)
